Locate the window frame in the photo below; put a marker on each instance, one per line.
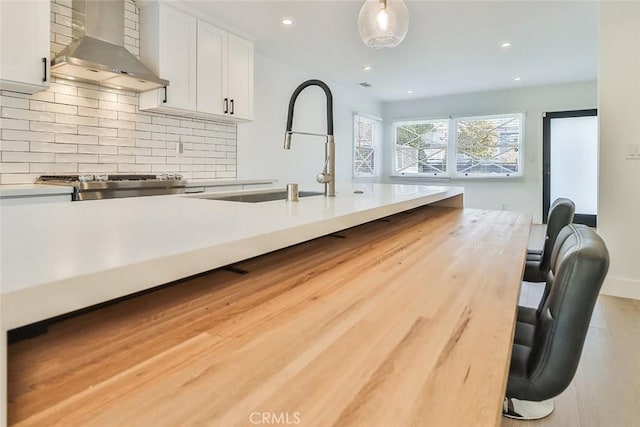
(451, 172)
(376, 145)
(520, 173)
(399, 123)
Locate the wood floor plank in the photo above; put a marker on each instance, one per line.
(605, 393)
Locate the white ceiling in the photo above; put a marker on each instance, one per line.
(451, 47)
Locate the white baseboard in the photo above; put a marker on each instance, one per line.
(621, 287)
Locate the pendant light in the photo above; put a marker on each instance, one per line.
(383, 23)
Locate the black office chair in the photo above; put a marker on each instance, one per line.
(560, 214)
(548, 340)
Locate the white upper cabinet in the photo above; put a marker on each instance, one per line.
(168, 47)
(240, 69)
(24, 45)
(210, 71)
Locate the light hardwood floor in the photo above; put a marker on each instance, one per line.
(606, 389)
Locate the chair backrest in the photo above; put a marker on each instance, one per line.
(560, 214)
(579, 264)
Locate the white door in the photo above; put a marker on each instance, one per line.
(212, 70)
(571, 161)
(240, 66)
(178, 58)
(24, 44)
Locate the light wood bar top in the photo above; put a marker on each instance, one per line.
(405, 321)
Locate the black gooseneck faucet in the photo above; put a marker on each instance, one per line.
(327, 176)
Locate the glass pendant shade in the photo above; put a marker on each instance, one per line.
(383, 23)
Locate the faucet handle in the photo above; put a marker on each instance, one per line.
(324, 178)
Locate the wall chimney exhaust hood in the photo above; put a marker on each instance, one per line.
(98, 55)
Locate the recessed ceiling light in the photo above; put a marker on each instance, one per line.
(287, 21)
(505, 45)
(367, 68)
(70, 78)
(409, 92)
(517, 79)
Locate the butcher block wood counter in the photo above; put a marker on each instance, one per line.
(404, 321)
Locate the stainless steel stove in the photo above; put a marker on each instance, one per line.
(96, 187)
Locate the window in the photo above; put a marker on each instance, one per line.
(485, 146)
(421, 147)
(366, 136)
(489, 145)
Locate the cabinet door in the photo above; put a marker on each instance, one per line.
(240, 64)
(212, 70)
(24, 45)
(178, 53)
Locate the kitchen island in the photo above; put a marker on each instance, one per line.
(181, 236)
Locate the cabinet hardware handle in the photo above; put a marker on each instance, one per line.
(164, 101)
(232, 107)
(44, 65)
(226, 105)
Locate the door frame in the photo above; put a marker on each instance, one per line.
(590, 220)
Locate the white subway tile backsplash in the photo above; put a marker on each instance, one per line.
(25, 135)
(120, 142)
(76, 127)
(94, 112)
(60, 29)
(76, 139)
(14, 145)
(53, 127)
(76, 100)
(14, 124)
(10, 101)
(97, 131)
(135, 151)
(53, 107)
(97, 149)
(51, 147)
(76, 120)
(97, 168)
(149, 143)
(53, 168)
(165, 137)
(108, 105)
(150, 127)
(14, 168)
(117, 124)
(179, 130)
(15, 156)
(127, 133)
(59, 9)
(63, 89)
(134, 117)
(18, 178)
(97, 94)
(165, 121)
(134, 168)
(118, 159)
(15, 113)
(76, 158)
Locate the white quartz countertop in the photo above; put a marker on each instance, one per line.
(32, 190)
(223, 182)
(73, 255)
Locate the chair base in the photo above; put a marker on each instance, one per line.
(525, 409)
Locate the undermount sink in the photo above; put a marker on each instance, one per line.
(259, 197)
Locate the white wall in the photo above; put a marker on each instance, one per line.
(260, 151)
(518, 194)
(619, 114)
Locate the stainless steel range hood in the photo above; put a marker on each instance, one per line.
(98, 55)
